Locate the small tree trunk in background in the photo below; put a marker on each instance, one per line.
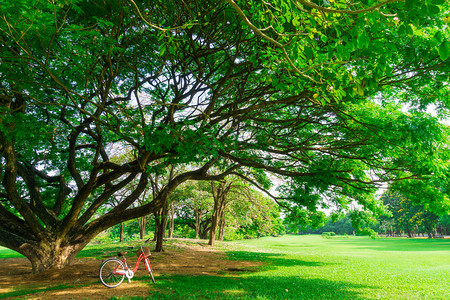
(171, 221)
(221, 229)
(142, 224)
(408, 231)
(204, 234)
(212, 231)
(121, 233)
(220, 193)
(198, 215)
(217, 215)
(157, 217)
(155, 233)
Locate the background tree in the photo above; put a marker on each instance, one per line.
(252, 215)
(194, 206)
(339, 225)
(319, 98)
(408, 216)
(161, 214)
(221, 194)
(444, 225)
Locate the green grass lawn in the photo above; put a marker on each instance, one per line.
(310, 267)
(7, 253)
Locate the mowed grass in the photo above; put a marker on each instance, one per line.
(310, 267)
(7, 253)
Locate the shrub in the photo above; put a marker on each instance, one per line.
(328, 235)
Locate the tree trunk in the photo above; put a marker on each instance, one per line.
(220, 193)
(121, 232)
(157, 217)
(204, 234)
(221, 229)
(161, 234)
(161, 225)
(408, 232)
(198, 216)
(155, 233)
(217, 215)
(212, 231)
(142, 224)
(53, 253)
(172, 221)
(50, 240)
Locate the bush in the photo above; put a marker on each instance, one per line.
(328, 235)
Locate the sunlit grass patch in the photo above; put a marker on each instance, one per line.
(309, 267)
(8, 253)
(382, 268)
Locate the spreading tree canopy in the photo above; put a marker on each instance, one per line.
(330, 94)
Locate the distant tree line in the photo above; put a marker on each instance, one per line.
(404, 218)
(410, 218)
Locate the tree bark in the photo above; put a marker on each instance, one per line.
(142, 225)
(215, 218)
(220, 193)
(53, 253)
(161, 225)
(221, 229)
(121, 233)
(198, 219)
(408, 231)
(171, 221)
(204, 233)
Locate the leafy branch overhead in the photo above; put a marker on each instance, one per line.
(330, 97)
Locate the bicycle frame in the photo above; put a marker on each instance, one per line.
(114, 270)
(130, 273)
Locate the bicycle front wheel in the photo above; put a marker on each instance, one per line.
(112, 272)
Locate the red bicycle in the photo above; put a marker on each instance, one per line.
(113, 270)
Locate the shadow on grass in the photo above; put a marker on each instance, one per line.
(254, 285)
(26, 291)
(272, 259)
(251, 287)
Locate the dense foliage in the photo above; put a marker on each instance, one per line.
(331, 97)
(407, 216)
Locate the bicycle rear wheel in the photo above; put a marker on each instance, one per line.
(112, 272)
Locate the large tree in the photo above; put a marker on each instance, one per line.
(309, 92)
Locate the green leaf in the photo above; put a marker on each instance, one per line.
(438, 36)
(409, 30)
(402, 29)
(308, 53)
(444, 50)
(433, 9)
(363, 40)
